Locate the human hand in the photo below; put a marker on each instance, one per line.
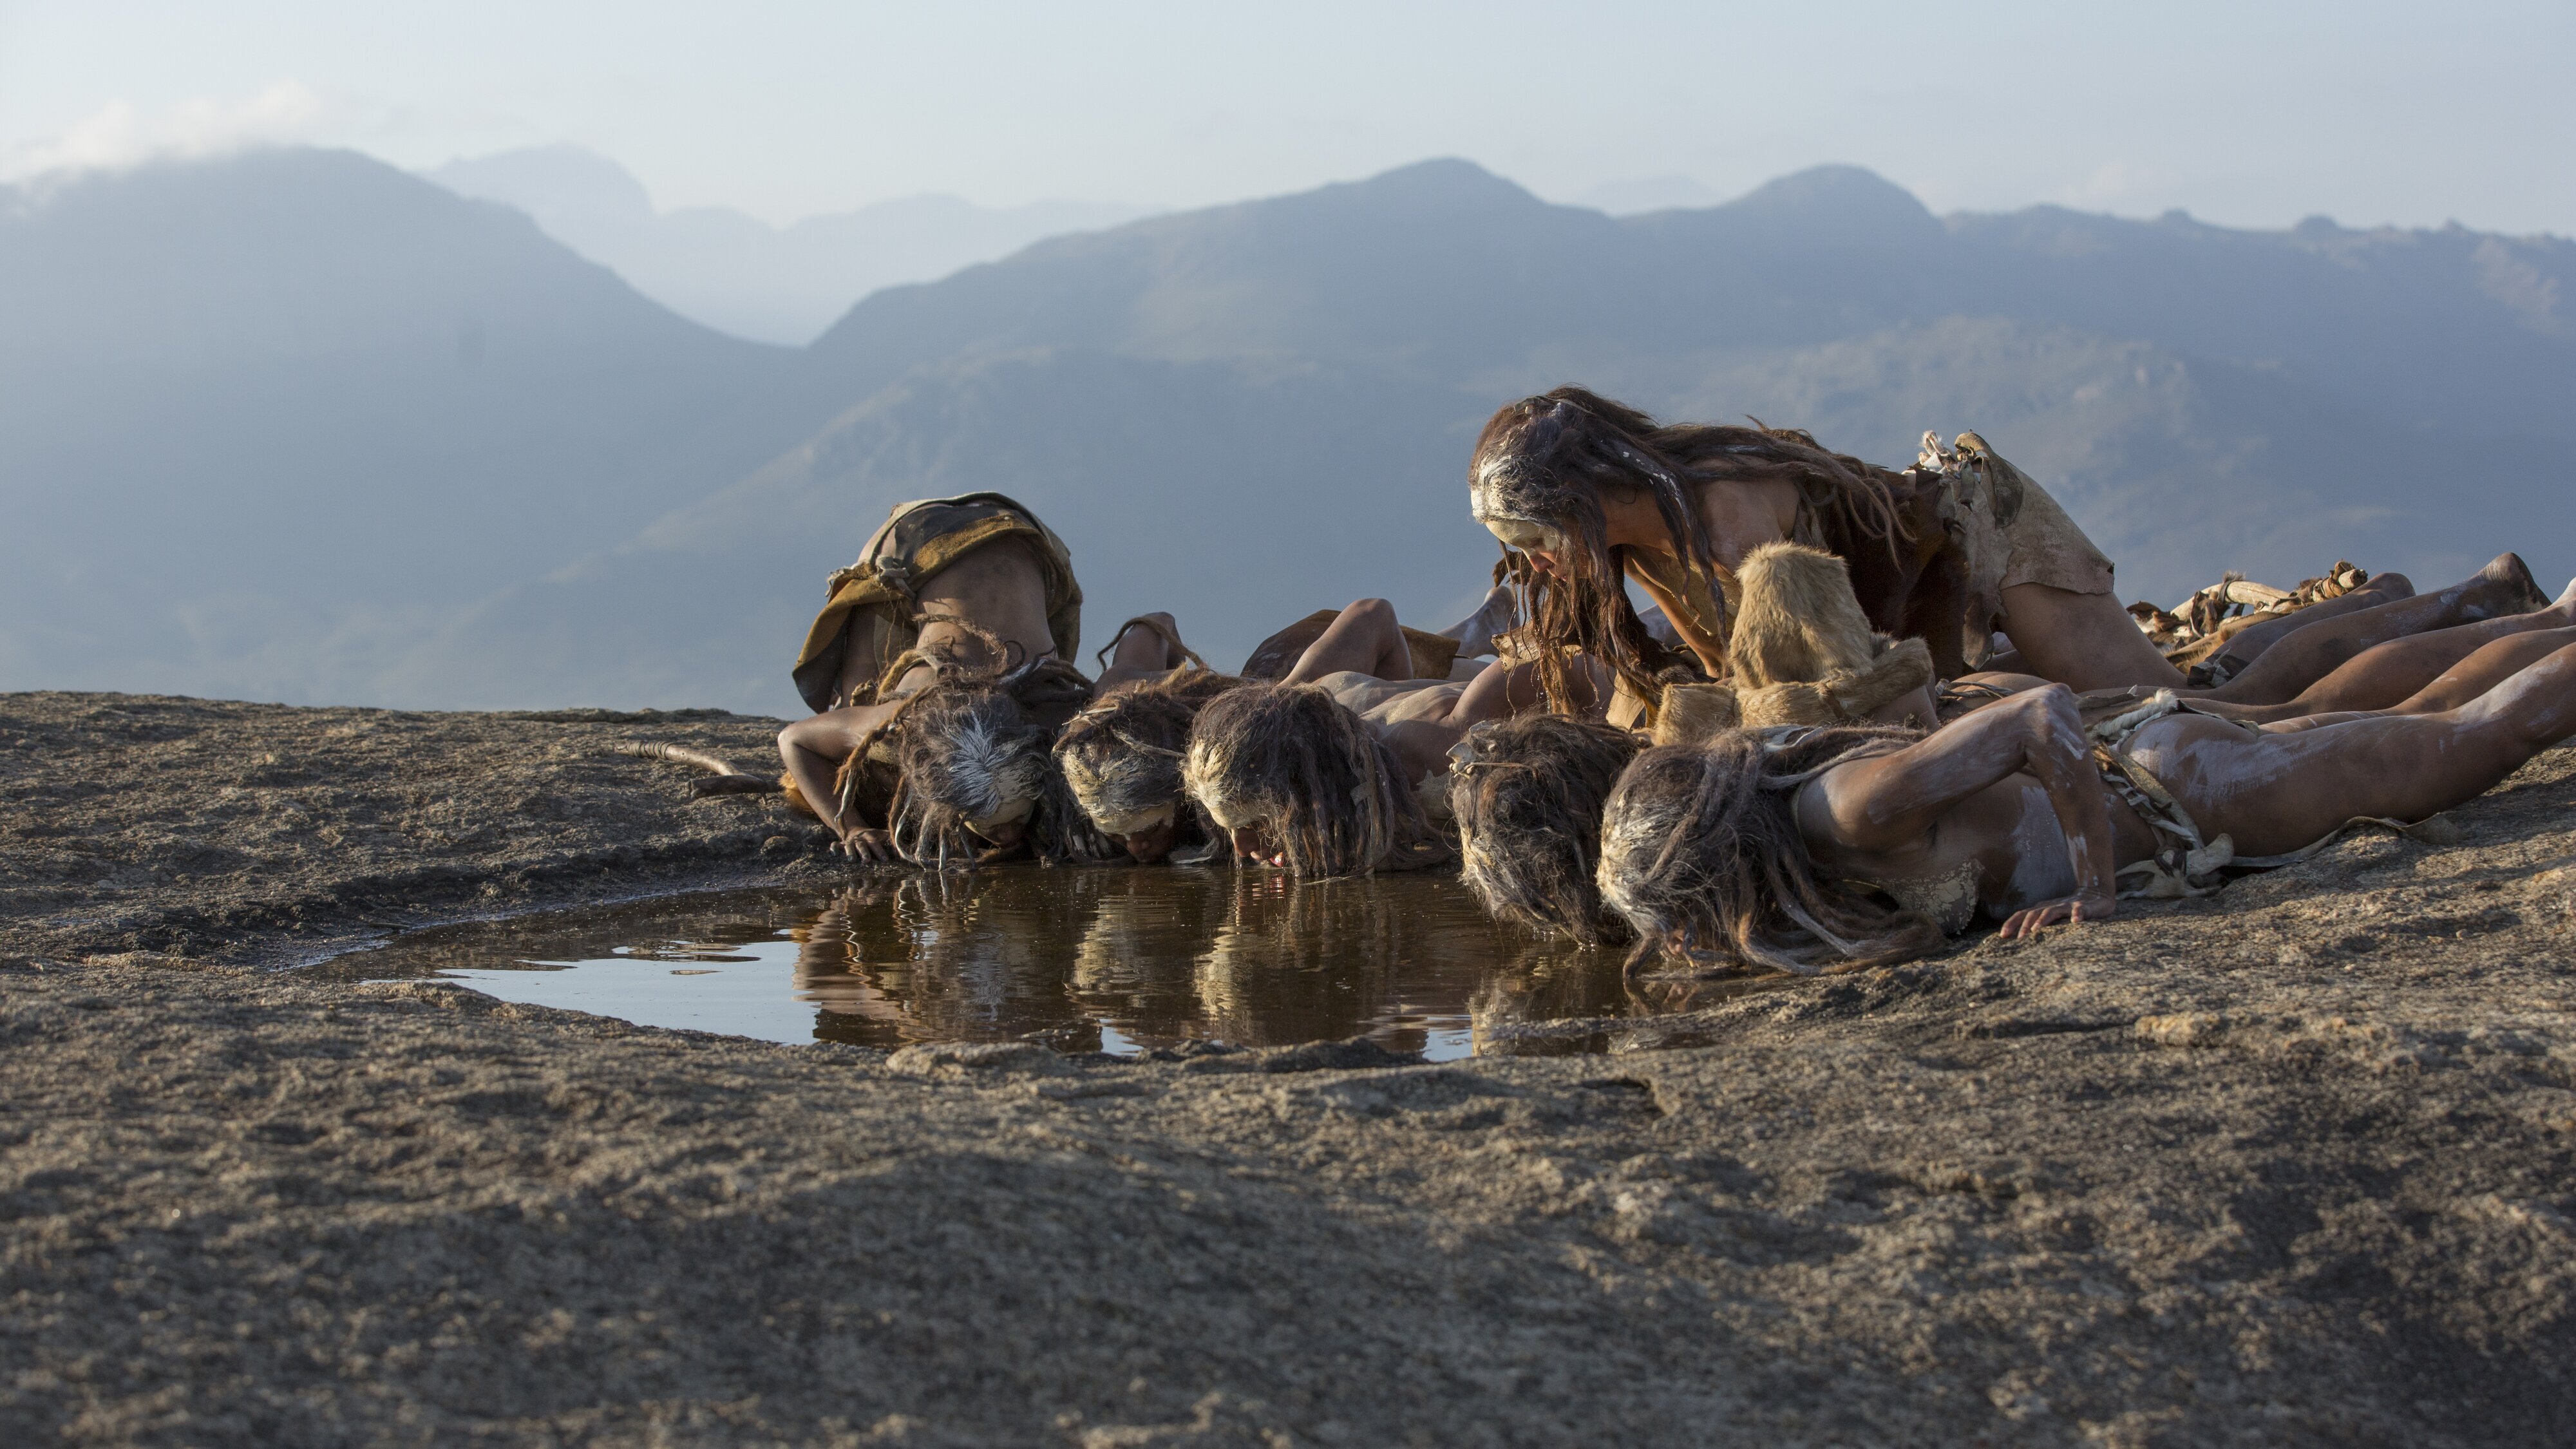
(859, 842)
(2071, 911)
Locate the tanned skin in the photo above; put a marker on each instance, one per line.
(1367, 639)
(999, 588)
(2086, 641)
(2011, 788)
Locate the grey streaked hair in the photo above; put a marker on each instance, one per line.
(966, 751)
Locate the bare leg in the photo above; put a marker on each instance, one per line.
(1143, 652)
(2277, 792)
(2084, 641)
(1503, 691)
(1365, 638)
(2489, 666)
(2385, 676)
(1475, 633)
(2307, 654)
(2251, 641)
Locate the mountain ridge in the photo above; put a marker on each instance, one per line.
(1247, 412)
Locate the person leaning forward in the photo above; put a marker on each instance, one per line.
(942, 581)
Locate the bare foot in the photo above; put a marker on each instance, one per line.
(2565, 604)
(2515, 591)
(1475, 633)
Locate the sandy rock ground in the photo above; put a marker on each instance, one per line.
(2296, 1165)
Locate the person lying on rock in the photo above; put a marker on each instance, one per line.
(1321, 771)
(1808, 848)
(1586, 493)
(1122, 755)
(975, 586)
(1526, 794)
(1527, 800)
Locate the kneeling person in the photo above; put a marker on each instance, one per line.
(972, 587)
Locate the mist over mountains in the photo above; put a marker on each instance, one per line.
(298, 425)
(738, 274)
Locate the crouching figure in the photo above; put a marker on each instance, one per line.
(938, 674)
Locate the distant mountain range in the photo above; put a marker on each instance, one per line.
(299, 425)
(739, 274)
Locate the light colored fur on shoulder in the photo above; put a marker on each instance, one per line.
(1802, 652)
(1797, 620)
(1692, 713)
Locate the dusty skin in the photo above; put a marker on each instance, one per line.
(2293, 1166)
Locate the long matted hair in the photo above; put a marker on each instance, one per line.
(972, 745)
(1293, 759)
(1700, 852)
(1543, 460)
(1528, 795)
(1122, 755)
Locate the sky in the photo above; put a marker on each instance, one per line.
(2242, 113)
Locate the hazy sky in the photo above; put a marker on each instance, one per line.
(2241, 112)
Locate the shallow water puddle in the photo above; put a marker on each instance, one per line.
(1106, 959)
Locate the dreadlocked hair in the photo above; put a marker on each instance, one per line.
(1292, 759)
(1542, 462)
(965, 749)
(1121, 757)
(1527, 794)
(1701, 853)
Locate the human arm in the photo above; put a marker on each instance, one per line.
(813, 749)
(1887, 802)
(1710, 650)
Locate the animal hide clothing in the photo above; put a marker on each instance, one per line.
(873, 602)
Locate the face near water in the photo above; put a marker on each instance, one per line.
(1096, 959)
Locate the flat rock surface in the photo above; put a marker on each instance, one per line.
(2292, 1165)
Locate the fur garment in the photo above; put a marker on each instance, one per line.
(1802, 654)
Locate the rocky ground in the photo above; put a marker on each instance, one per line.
(2293, 1165)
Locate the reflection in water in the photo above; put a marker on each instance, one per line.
(1084, 960)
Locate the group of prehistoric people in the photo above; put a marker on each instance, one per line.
(1865, 709)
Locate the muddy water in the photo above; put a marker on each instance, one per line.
(1116, 960)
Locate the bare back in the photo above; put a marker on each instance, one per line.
(1000, 588)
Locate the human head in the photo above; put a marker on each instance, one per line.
(1121, 759)
(1292, 778)
(1701, 855)
(1527, 794)
(977, 778)
(1544, 465)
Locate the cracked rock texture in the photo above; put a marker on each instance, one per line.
(2293, 1165)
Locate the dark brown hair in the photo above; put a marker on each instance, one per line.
(1333, 796)
(1527, 794)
